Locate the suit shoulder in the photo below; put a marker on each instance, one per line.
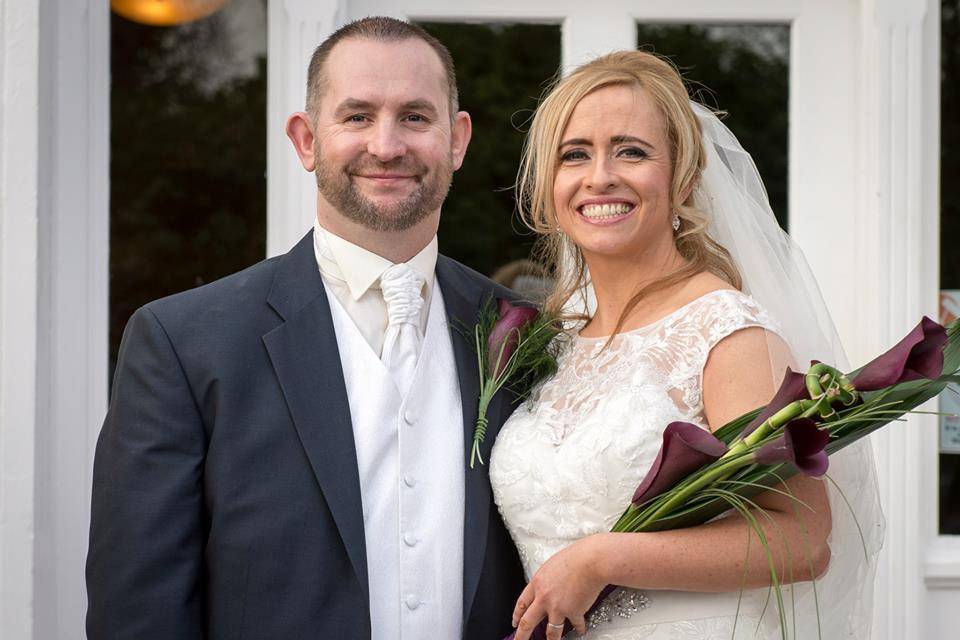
(230, 294)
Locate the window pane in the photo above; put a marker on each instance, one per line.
(501, 71)
(187, 154)
(743, 70)
(950, 254)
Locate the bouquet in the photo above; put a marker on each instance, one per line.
(699, 475)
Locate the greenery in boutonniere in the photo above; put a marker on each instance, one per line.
(514, 347)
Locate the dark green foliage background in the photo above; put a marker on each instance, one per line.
(744, 71)
(187, 165)
(950, 221)
(501, 72)
(949, 143)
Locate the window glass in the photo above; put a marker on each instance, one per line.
(744, 71)
(501, 71)
(950, 255)
(187, 154)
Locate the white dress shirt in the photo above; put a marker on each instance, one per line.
(352, 274)
(410, 448)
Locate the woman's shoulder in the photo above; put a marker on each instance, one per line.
(719, 309)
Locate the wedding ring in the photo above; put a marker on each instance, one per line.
(555, 626)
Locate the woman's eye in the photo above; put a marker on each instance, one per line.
(573, 155)
(633, 152)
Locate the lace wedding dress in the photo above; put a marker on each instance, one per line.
(566, 464)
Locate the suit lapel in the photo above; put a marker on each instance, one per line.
(306, 359)
(462, 298)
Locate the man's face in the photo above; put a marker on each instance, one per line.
(383, 137)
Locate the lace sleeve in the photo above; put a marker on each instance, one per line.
(714, 317)
(728, 312)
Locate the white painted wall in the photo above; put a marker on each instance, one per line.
(54, 65)
(19, 73)
(72, 301)
(897, 269)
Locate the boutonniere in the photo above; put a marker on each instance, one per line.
(513, 346)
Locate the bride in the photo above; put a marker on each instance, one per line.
(646, 200)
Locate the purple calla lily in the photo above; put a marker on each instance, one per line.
(505, 334)
(802, 445)
(792, 388)
(686, 447)
(919, 355)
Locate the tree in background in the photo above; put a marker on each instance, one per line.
(187, 161)
(501, 72)
(743, 70)
(949, 221)
(949, 143)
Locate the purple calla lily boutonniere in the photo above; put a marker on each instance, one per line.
(514, 348)
(698, 475)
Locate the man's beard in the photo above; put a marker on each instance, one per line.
(337, 186)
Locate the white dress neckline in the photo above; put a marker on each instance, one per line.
(660, 320)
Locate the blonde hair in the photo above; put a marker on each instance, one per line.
(538, 168)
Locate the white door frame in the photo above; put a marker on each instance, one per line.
(54, 217)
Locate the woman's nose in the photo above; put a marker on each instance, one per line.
(601, 176)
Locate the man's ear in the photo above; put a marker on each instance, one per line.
(460, 137)
(300, 132)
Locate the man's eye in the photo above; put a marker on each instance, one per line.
(573, 155)
(357, 117)
(416, 117)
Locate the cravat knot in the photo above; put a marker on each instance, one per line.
(401, 287)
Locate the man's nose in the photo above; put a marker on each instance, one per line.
(386, 142)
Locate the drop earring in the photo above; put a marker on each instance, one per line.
(676, 222)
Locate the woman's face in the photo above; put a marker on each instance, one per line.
(612, 187)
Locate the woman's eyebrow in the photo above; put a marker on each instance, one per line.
(575, 141)
(621, 139)
(618, 139)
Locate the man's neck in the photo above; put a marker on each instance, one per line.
(395, 246)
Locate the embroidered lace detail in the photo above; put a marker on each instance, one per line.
(566, 463)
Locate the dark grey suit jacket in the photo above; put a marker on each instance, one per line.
(226, 496)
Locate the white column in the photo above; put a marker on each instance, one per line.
(19, 65)
(72, 317)
(590, 31)
(894, 275)
(295, 28)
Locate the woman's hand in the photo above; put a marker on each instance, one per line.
(563, 589)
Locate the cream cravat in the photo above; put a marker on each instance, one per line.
(402, 287)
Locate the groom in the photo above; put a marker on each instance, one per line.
(284, 454)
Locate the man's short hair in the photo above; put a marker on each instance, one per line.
(379, 29)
